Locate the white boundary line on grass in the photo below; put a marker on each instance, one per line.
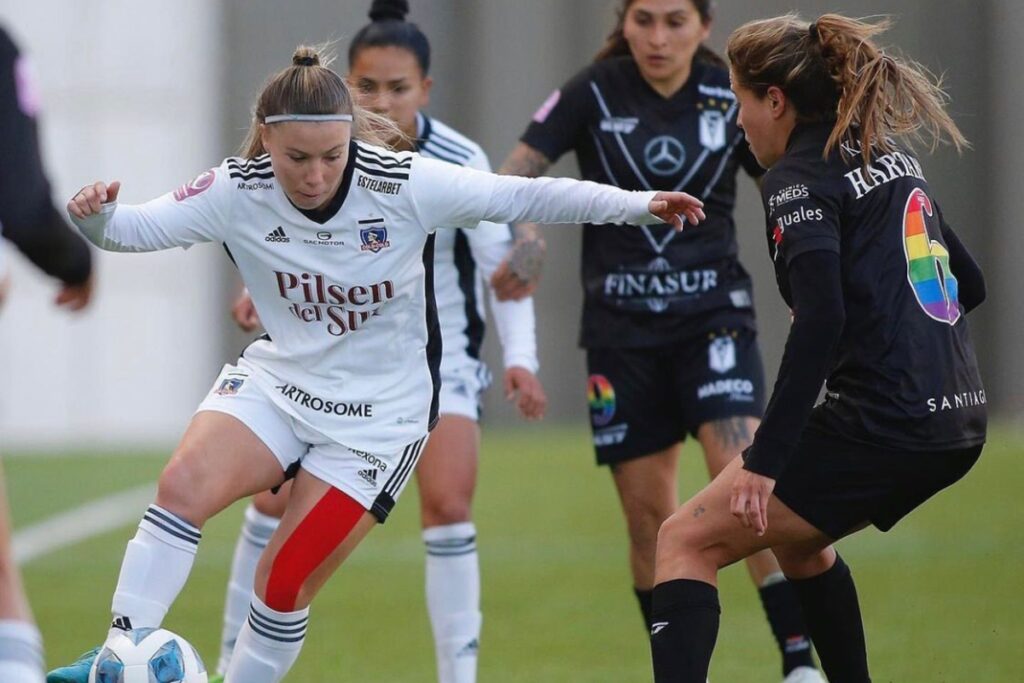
(81, 523)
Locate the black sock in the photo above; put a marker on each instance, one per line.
(644, 598)
(832, 612)
(782, 606)
(685, 616)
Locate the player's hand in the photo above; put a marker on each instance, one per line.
(523, 387)
(518, 275)
(91, 198)
(749, 501)
(677, 209)
(75, 297)
(244, 312)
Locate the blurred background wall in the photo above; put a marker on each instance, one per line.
(152, 93)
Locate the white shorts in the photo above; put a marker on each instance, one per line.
(463, 383)
(375, 480)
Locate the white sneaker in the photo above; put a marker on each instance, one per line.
(804, 674)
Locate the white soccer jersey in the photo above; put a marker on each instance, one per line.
(464, 261)
(353, 347)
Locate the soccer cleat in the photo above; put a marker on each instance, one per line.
(804, 674)
(74, 673)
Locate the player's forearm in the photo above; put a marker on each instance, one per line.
(818, 322)
(123, 228)
(562, 200)
(516, 323)
(49, 243)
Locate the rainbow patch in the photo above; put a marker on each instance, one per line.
(928, 262)
(601, 397)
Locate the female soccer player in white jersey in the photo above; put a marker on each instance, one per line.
(334, 238)
(389, 62)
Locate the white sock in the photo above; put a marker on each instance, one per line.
(21, 652)
(154, 570)
(267, 645)
(256, 532)
(453, 599)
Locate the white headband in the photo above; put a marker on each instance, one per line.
(279, 118)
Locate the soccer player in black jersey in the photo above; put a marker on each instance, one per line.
(29, 220)
(879, 286)
(668, 324)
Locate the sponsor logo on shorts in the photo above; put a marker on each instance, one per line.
(733, 389)
(320, 405)
(658, 626)
(611, 436)
(372, 459)
(722, 354)
(369, 476)
(601, 397)
(230, 386)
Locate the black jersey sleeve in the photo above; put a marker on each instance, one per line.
(818, 318)
(558, 122)
(970, 279)
(802, 214)
(27, 215)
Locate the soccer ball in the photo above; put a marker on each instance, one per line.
(147, 655)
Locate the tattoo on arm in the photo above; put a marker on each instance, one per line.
(525, 161)
(699, 511)
(733, 433)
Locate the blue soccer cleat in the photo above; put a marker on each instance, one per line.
(74, 673)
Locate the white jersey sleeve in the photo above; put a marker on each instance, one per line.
(514, 320)
(453, 196)
(196, 212)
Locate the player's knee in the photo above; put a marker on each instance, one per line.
(272, 505)
(678, 535)
(181, 487)
(800, 563)
(441, 511)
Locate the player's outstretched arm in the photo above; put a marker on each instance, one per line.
(519, 273)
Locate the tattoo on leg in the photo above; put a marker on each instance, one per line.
(699, 511)
(733, 433)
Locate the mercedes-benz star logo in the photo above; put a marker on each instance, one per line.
(664, 155)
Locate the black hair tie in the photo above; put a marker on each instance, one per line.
(812, 32)
(305, 61)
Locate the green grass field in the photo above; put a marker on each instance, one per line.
(941, 594)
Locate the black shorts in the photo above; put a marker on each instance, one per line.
(840, 485)
(645, 400)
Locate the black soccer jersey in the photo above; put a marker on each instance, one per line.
(28, 217)
(905, 374)
(644, 287)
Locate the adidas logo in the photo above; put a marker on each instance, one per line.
(369, 476)
(122, 623)
(470, 650)
(277, 235)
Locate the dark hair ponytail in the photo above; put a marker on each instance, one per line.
(616, 46)
(388, 28)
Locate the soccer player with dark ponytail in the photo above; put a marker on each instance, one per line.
(668, 320)
(879, 286)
